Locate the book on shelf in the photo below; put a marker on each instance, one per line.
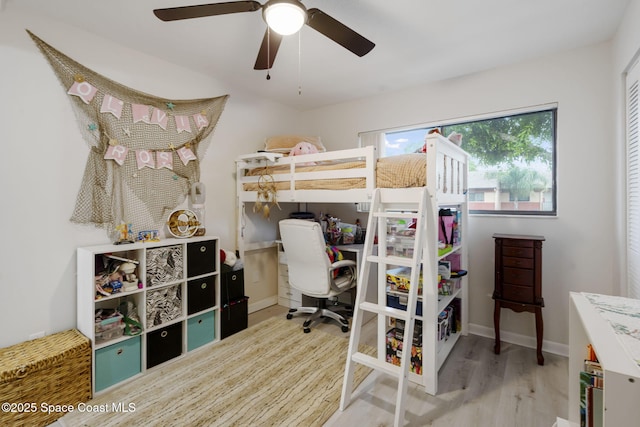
(591, 391)
(595, 371)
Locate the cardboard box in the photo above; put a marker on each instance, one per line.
(398, 279)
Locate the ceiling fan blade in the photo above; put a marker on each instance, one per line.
(338, 32)
(200, 11)
(268, 50)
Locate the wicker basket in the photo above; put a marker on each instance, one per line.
(54, 370)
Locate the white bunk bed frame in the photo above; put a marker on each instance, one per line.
(446, 174)
(446, 177)
(311, 196)
(445, 162)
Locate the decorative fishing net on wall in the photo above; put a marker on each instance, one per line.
(145, 150)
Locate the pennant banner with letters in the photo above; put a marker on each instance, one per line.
(145, 150)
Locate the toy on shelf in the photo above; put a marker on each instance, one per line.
(125, 234)
(119, 275)
(148, 236)
(129, 279)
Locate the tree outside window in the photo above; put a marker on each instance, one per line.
(511, 165)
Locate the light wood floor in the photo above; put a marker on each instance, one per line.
(476, 388)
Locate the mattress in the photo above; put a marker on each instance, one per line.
(403, 171)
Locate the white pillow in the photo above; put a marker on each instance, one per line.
(284, 143)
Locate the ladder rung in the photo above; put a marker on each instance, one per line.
(393, 260)
(377, 365)
(396, 214)
(386, 311)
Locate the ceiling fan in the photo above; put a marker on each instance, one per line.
(283, 17)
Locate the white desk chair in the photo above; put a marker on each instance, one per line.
(311, 271)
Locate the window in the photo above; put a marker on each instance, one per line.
(511, 165)
(476, 196)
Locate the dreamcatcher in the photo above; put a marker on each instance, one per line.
(266, 197)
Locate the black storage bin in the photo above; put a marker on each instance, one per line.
(234, 317)
(164, 344)
(231, 285)
(201, 294)
(201, 258)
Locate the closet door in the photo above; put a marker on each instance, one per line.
(633, 181)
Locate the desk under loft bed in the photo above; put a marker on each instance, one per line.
(350, 176)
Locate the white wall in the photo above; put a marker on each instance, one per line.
(578, 253)
(626, 48)
(44, 159)
(44, 156)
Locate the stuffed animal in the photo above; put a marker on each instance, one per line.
(455, 137)
(304, 148)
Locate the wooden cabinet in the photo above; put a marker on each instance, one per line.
(518, 281)
(171, 289)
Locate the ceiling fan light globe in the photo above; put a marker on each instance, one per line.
(285, 18)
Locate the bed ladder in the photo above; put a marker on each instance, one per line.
(382, 201)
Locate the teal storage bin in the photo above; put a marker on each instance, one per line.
(200, 330)
(117, 362)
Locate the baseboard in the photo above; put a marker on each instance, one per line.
(263, 303)
(483, 331)
(518, 339)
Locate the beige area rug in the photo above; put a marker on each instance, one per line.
(271, 374)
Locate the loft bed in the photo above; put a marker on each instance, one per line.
(351, 175)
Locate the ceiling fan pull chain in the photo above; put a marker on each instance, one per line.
(268, 53)
(299, 63)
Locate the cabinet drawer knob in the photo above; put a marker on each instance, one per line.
(203, 285)
(233, 277)
(203, 249)
(199, 321)
(119, 351)
(163, 334)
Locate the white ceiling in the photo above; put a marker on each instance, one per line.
(417, 41)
